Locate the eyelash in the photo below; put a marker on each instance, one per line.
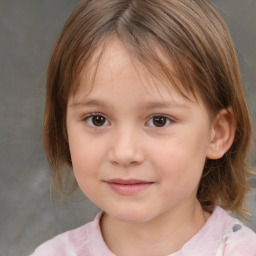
(89, 120)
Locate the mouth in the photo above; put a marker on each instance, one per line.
(128, 187)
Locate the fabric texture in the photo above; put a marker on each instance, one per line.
(222, 235)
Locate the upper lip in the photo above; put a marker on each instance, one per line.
(127, 181)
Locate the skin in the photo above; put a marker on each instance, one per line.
(123, 142)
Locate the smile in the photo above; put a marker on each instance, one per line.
(128, 187)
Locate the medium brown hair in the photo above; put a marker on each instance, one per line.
(194, 40)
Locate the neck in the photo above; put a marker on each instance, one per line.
(163, 235)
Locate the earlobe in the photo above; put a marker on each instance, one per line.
(223, 133)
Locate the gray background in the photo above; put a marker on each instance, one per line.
(28, 30)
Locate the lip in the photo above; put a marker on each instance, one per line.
(128, 187)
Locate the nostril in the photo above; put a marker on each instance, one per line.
(125, 163)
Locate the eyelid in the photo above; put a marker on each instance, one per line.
(163, 115)
(84, 116)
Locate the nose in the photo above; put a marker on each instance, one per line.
(126, 148)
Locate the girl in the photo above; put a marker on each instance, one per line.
(145, 106)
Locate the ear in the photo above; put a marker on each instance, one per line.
(222, 134)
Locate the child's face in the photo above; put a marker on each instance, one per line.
(137, 150)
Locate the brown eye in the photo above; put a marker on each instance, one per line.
(158, 121)
(97, 121)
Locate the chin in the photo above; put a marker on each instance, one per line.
(131, 216)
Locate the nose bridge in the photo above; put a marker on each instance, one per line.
(126, 147)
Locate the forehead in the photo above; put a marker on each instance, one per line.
(114, 64)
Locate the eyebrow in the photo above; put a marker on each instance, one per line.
(88, 102)
(169, 104)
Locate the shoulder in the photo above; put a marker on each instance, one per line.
(240, 241)
(222, 235)
(73, 242)
(64, 243)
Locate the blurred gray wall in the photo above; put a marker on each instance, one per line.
(28, 30)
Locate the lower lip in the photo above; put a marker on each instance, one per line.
(129, 189)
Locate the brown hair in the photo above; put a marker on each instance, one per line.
(192, 37)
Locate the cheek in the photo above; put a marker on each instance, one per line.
(181, 161)
(86, 167)
(86, 155)
(84, 158)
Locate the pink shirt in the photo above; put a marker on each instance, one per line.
(221, 235)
